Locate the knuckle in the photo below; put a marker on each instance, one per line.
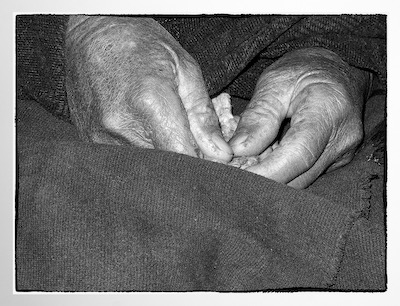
(302, 152)
(164, 68)
(113, 121)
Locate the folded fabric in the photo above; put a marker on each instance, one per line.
(113, 218)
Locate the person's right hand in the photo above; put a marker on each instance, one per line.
(129, 81)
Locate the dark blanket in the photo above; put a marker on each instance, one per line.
(112, 218)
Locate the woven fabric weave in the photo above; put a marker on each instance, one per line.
(95, 217)
(231, 51)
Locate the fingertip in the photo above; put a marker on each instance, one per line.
(222, 151)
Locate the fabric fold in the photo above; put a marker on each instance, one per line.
(113, 218)
(105, 218)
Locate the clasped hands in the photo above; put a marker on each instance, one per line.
(130, 82)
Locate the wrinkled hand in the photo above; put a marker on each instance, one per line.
(129, 81)
(323, 96)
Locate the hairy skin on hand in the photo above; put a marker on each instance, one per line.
(130, 82)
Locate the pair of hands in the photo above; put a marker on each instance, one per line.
(129, 81)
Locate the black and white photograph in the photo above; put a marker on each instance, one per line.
(201, 153)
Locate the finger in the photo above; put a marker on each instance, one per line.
(201, 115)
(260, 123)
(307, 178)
(292, 157)
(326, 163)
(342, 145)
(302, 145)
(342, 161)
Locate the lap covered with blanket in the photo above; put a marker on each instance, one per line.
(98, 217)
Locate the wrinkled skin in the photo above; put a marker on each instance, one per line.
(323, 97)
(130, 82)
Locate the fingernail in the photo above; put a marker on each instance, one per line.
(222, 145)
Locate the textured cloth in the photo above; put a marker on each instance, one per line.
(231, 51)
(40, 61)
(112, 218)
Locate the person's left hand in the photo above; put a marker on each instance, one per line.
(323, 96)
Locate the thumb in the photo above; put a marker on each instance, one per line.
(259, 124)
